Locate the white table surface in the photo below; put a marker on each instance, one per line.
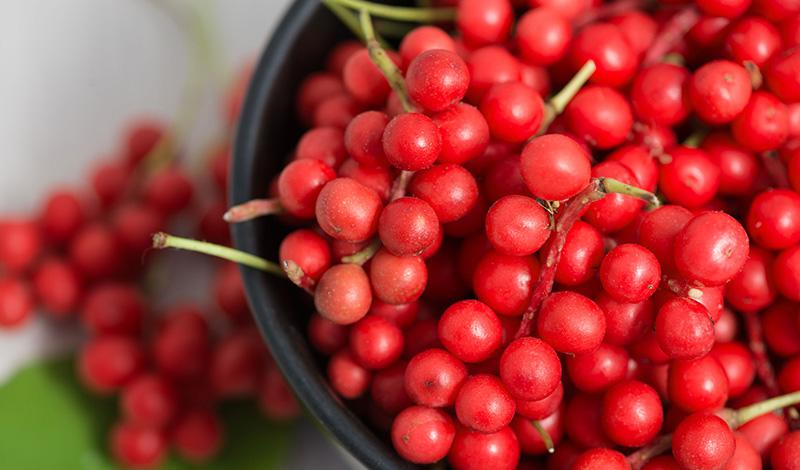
(72, 74)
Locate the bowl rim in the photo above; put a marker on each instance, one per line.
(309, 386)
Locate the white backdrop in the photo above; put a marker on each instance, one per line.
(72, 74)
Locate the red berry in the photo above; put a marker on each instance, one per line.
(95, 251)
(514, 111)
(437, 79)
(309, 250)
(363, 138)
(464, 133)
(343, 294)
(181, 347)
(299, 186)
(107, 363)
(483, 22)
(236, 364)
(763, 124)
(169, 191)
(388, 390)
(753, 39)
(115, 309)
(774, 219)
(326, 144)
(411, 142)
(737, 362)
(20, 244)
(16, 302)
(753, 288)
(364, 80)
(63, 214)
(630, 273)
(375, 342)
(408, 226)
(483, 404)
(555, 167)
(473, 450)
(530, 369)
(571, 323)
(596, 459)
(632, 414)
(600, 115)
(660, 94)
(424, 38)
(348, 210)
(697, 384)
(517, 225)
(198, 435)
(433, 377)
(149, 400)
(136, 446)
(689, 178)
(58, 287)
(605, 44)
(717, 239)
(347, 377)
(703, 441)
(448, 188)
(470, 330)
(719, 91)
(684, 329)
(543, 36)
(786, 273)
(625, 322)
(422, 435)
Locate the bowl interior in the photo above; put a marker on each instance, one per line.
(268, 131)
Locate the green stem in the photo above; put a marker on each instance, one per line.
(364, 255)
(382, 60)
(610, 185)
(560, 100)
(639, 458)
(410, 14)
(347, 17)
(696, 138)
(548, 441)
(163, 240)
(748, 413)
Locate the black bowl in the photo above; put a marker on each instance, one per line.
(267, 133)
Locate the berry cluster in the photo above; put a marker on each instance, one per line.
(497, 276)
(82, 257)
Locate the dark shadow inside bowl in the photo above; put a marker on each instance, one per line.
(267, 133)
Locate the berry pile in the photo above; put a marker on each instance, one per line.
(82, 258)
(603, 276)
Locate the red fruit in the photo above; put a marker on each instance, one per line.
(433, 377)
(375, 342)
(134, 225)
(600, 115)
(625, 322)
(488, 66)
(229, 294)
(309, 250)
(517, 225)
(763, 124)
(388, 390)
(16, 302)
(107, 363)
(543, 36)
(470, 330)
(236, 364)
(596, 459)
(632, 414)
(780, 329)
(739, 168)
(689, 178)
(325, 144)
(660, 94)
(541, 409)
(781, 75)
(299, 185)
(95, 251)
(169, 191)
(521, 378)
(774, 219)
(571, 323)
(638, 159)
(703, 441)
(437, 79)
(483, 404)
(581, 255)
(314, 89)
(684, 329)
(719, 91)
(464, 132)
(737, 362)
(363, 138)
(754, 39)
(58, 287)
(63, 214)
(697, 384)
(198, 435)
(505, 282)
(348, 378)
(597, 370)
(396, 279)
(615, 211)
(752, 289)
(555, 167)
(411, 142)
(364, 80)
(630, 273)
(110, 182)
(786, 273)
(181, 347)
(717, 239)
(514, 111)
(326, 336)
(483, 22)
(424, 38)
(530, 441)
(136, 446)
(408, 226)
(20, 244)
(605, 44)
(343, 294)
(114, 309)
(448, 188)
(141, 138)
(658, 230)
(348, 210)
(473, 450)
(422, 435)
(786, 453)
(149, 400)
(724, 8)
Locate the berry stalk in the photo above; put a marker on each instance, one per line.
(379, 57)
(364, 255)
(670, 34)
(764, 368)
(409, 14)
(775, 170)
(560, 100)
(568, 214)
(163, 240)
(252, 209)
(548, 441)
(638, 459)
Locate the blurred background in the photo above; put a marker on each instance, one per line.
(74, 75)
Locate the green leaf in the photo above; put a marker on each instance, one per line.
(49, 422)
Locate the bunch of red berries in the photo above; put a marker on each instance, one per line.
(497, 276)
(82, 257)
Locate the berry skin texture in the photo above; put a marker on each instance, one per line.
(781, 75)
(424, 38)
(397, 279)
(437, 79)
(470, 330)
(753, 289)
(763, 124)
(411, 142)
(786, 272)
(137, 446)
(703, 441)
(571, 323)
(719, 91)
(514, 111)
(541, 409)
(484, 22)
(625, 323)
(555, 167)
(543, 36)
(375, 342)
(150, 401)
(343, 294)
(517, 225)
(786, 452)
(449, 189)
(583, 251)
(684, 329)
(325, 144)
(597, 370)
(433, 377)
(630, 273)
(505, 282)
(739, 168)
(690, 178)
(530, 369)
(614, 211)
(473, 450)
(363, 138)
(717, 239)
(364, 81)
(407, 226)
(464, 133)
(299, 186)
(697, 384)
(307, 249)
(605, 44)
(632, 414)
(774, 219)
(597, 459)
(16, 302)
(346, 376)
(600, 115)
(660, 94)
(737, 362)
(484, 405)
(348, 210)
(422, 435)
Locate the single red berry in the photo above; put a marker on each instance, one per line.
(737, 362)
(309, 250)
(474, 450)
(343, 294)
(689, 178)
(571, 323)
(543, 36)
(181, 347)
(433, 377)
(514, 111)
(348, 210)
(600, 115)
(198, 435)
(364, 80)
(63, 214)
(598, 370)
(110, 181)
(408, 226)
(625, 322)
(422, 435)
(149, 400)
(632, 414)
(658, 230)
(638, 159)
(347, 378)
(639, 29)
(786, 273)
(437, 79)
(517, 225)
(363, 138)
(484, 404)
(753, 288)
(95, 251)
(724, 8)
(786, 453)
(376, 178)
(115, 309)
(20, 244)
(753, 39)
(505, 282)
(719, 91)
(314, 89)
(388, 390)
(326, 336)
(780, 329)
(530, 369)
(326, 144)
(16, 302)
(555, 167)
(630, 273)
(739, 168)
(470, 330)
(107, 363)
(236, 364)
(601, 458)
(58, 287)
(483, 22)
(136, 446)
(774, 219)
(541, 409)
(684, 329)
(299, 185)
(488, 66)
(337, 111)
(781, 75)
(134, 225)
(763, 124)
(424, 38)
(464, 133)
(375, 342)
(605, 44)
(697, 384)
(717, 239)
(703, 441)
(660, 94)
(169, 190)
(449, 189)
